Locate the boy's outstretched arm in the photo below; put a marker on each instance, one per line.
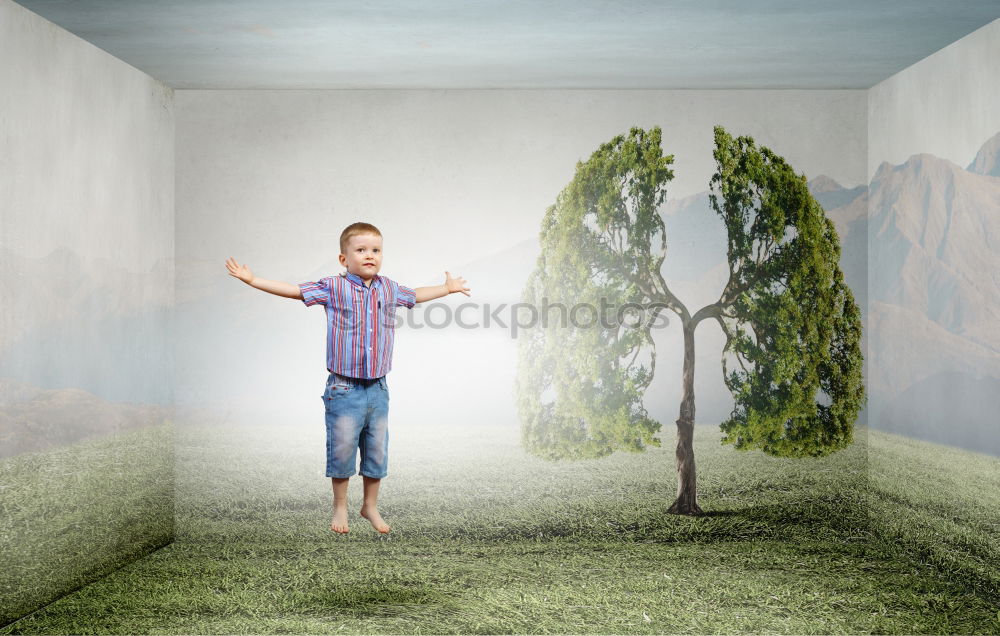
(275, 287)
(451, 285)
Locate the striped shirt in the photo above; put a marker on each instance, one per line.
(360, 321)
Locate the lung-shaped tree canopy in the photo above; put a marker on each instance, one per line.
(792, 358)
(793, 327)
(581, 373)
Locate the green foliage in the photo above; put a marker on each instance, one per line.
(790, 320)
(580, 386)
(792, 325)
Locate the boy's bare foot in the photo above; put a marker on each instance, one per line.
(371, 514)
(339, 523)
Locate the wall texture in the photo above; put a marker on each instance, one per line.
(934, 246)
(86, 296)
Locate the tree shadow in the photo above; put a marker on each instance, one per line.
(790, 518)
(385, 598)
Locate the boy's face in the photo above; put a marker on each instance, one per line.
(364, 255)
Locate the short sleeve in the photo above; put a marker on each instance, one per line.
(315, 293)
(405, 296)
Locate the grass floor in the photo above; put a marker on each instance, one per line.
(487, 539)
(941, 505)
(70, 515)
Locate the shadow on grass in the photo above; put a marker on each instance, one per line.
(788, 518)
(721, 513)
(960, 549)
(379, 599)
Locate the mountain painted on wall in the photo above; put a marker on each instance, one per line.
(33, 419)
(934, 281)
(987, 161)
(88, 323)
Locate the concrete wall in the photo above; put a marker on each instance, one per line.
(86, 297)
(934, 246)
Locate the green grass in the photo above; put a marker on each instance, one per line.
(71, 515)
(487, 539)
(942, 504)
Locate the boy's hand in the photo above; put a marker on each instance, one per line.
(451, 284)
(241, 272)
(456, 284)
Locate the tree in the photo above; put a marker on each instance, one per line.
(792, 328)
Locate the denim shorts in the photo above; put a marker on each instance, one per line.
(357, 418)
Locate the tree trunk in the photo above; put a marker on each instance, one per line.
(687, 494)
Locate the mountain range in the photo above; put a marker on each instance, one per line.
(934, 285)
(87, 323)
(34, 419)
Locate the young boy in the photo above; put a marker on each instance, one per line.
(360, 310)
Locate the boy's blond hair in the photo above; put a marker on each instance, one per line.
(354, 229)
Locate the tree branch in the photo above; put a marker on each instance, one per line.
(708, 311)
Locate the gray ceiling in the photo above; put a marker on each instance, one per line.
(519, 43)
